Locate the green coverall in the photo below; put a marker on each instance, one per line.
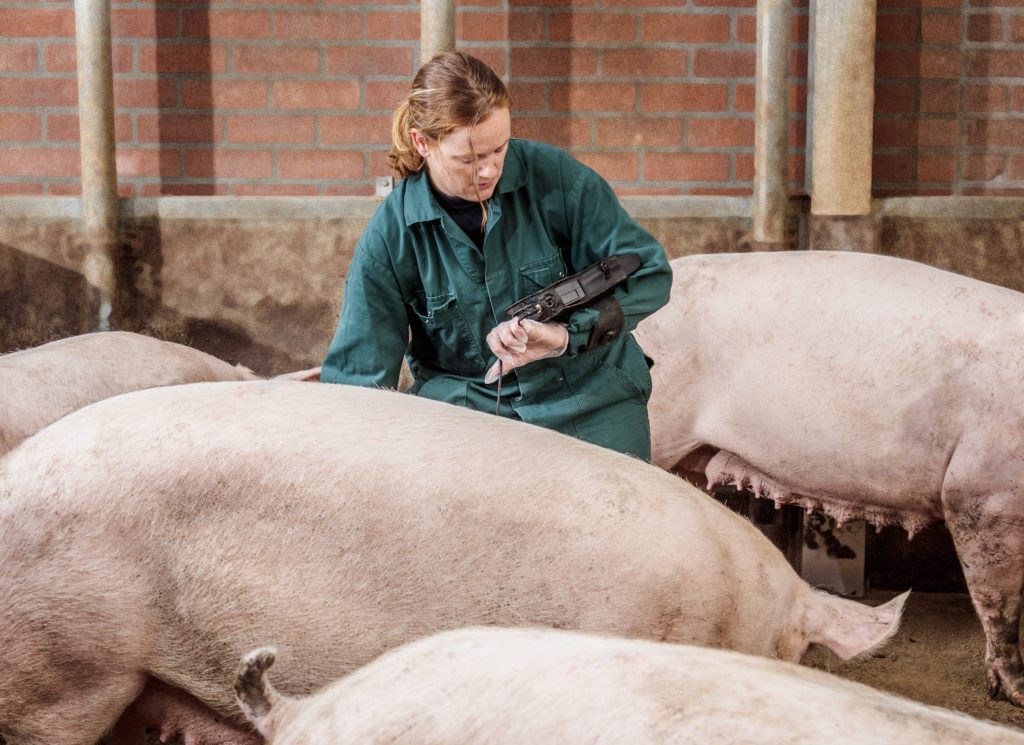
(414, 270)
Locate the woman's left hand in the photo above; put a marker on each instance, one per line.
(517, 343)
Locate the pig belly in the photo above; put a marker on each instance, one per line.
(863, 386)
(495, 686)
(336, 523)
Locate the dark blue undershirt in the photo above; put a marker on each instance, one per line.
(466, 214)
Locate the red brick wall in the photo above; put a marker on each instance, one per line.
(289, 97)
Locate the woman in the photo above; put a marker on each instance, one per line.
(478, 221)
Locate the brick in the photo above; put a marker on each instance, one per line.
(643, 62)
(1015, 167)
(44, 92)
(580, 26)
(941, 28)
(19, 127)
(316, 94)
(35, 161)
(344, 190)
(593, 96)
(493, 57)
(997, 133)
(65, 128)
(940, 63)
(393, 26)
(894, 133)
(18, 58)
(939, 98)
(219, 163)
(647, 191)
(226, 24)
(370, 60)
(612, 166)
(892, 167)
(657, 97)
(894, 98)
(148, 162)
(798, 63)
(528, 96)
(797, 132)
(302, 26)
(276, 59)
(745, 98)
(19, 188)
(988, 191)
(64, 188)
(381, 95)
(37, 22)
(711, 63)
(320, 164)
(62, 58)
(892, 28)
(985, 27)
(183, 190)
(275, 190)
(994, 63)
(355, 130)
(378, 163)
(167, 58)
(224, 94)
(998, 3)
(725, 3)
(562, 131)
(983, 167)
(640, 132)
(1017, 98)
(169, 128)
(563, 62)
(936, 133)
(148, 23)
(746, 29)
(743, 167)
(290, 130)
(919, 3)
(720, 133)
(686, 166)
(151, 93)
(986, 98)
(705, 28)
(525, 25)
(936, 168)
(731, 191)
(1016, 28)
(801, 28)
(482, 26)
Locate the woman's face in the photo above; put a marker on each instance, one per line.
(467, 162)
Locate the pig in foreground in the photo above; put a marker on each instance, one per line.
(863, 386)
(499, 686)
(164, 533)
(44, 383)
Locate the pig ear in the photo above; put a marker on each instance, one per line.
(255, 695)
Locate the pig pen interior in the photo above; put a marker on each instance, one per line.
(259, 282)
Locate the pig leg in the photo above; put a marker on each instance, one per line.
(175, 714)
(989, 543)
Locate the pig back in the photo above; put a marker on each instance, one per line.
(44, 383)
(337, 522)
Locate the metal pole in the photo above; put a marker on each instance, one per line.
(842, 98)
(771, 121)
(99, 170)
(437, 27)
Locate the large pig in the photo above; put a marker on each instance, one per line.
(498, 686)
(138, 535)
(861, 385)
(44, 383)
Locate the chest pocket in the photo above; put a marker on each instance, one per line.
(539, 274)
(445, 341)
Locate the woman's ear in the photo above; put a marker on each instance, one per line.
(420, 143)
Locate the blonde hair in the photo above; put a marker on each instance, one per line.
(452, 90)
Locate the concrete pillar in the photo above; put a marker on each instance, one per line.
(841, 100)
(771, 121)
(437, 27)
(99, 170)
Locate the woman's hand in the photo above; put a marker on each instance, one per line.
(517, 343)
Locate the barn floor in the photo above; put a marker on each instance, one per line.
(937, 657)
